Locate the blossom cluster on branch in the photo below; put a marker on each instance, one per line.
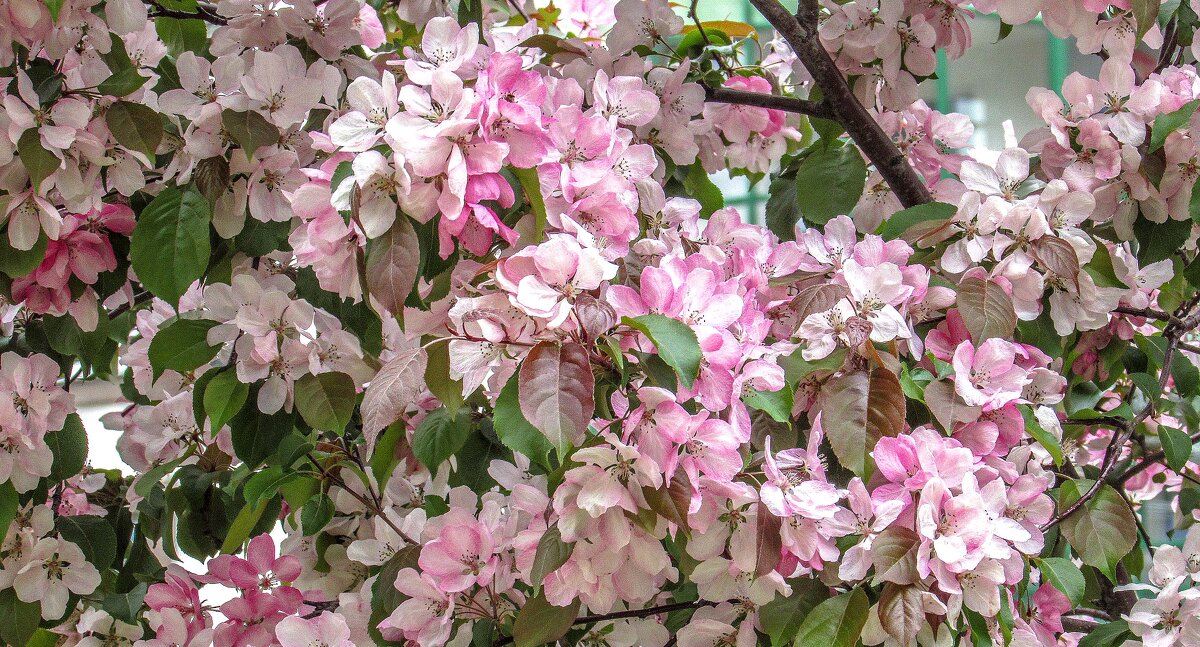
(432, 328)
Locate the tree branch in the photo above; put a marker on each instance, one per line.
(204, 12)
(772, 101)
(631, 613)
(800, 31)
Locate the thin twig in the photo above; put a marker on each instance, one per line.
(631, 613)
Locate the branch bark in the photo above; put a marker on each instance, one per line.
(631, 613)
(773, 101)
(800, 31)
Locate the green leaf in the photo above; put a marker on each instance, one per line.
(326, 401)
(440, 435)
(899, 222)
(1103, 530)
(135, 126)
(1101, 269)
(836, 622)
(224, 396)
(514, 431)
(528, 178)
(782, 617)
(782, 211)
(21, 619)
(39, 162)
(123, 82)
(1145, 12)
(182, 35)
(829, 183)
(257, 435)
(8, 505)
(552, 552)
(1177, 445)
(539, 622)
(20, 262)
(1065, 576)
(250, 130)
(1147, 384)
(384, 595)
(70, 447)
(777, 404)
(1160, 240)
(1106, 635)
(385, 458)
(700, 186)
(126, 606)
(1170, 122)
(182, 346)
(243, 524)
(1045, 438)
(316, 514)
(266, 484)
(676, 342)
(94, 536)
(169, 248)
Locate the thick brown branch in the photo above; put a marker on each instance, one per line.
(801, 33)
(773, 101)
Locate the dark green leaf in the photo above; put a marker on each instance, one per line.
(552, 552)
(676, 342)
(829, 183)
(70, 447)
(1065, 576)
(539, 622)
(8, 505)
(17, 262)
(898, 223)
(326, 401)
(126, 606)
(836, 622)
(700, 187)
(123, 82)
(1106, 635)
(1165, 124)
(94, 536)
(316, 514)
(170, 249)
(514, 431)
(182, 35)
(135, 126)
(1177, 445)
(782, 210)
(182, 346)
(224, 396)
(1039, 433)
(777, 404)
(782, 617)
(21, 619)
(250, 130)
(440, 435)
(1103, 530)
(39, 162)
(257, 435)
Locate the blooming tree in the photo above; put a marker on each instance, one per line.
(432, 328)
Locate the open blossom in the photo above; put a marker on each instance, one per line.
(54, 570)
(988, 375)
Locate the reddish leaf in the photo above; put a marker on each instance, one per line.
(768, 541)
(394, 387)
(672, 500)
(556, 391)
(861, 408)
(986, 309)
(392, 265)
(1058, 256)
(894, 555)
(901, 613)
(947, 407)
